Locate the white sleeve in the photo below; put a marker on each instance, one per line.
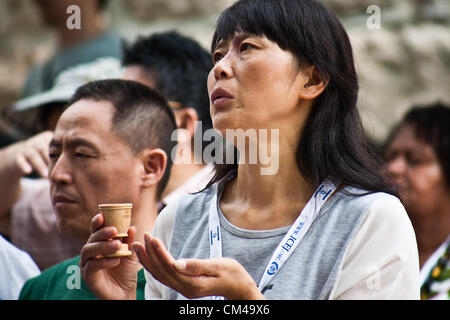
(381, 261)
(163, 230)
(16, 267)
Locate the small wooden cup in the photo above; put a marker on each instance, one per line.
(118, 215)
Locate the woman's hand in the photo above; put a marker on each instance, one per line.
(108, 278)
(195, 278)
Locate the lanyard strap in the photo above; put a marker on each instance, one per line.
(290, 241)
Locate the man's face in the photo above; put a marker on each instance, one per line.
(89, 165)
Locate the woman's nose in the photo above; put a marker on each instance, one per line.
(222, 69)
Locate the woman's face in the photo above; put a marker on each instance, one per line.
(254, 84)
(413, 165)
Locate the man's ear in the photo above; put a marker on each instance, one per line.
(186, 119)
(154, 164)
(314, 85)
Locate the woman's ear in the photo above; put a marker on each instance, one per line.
(154, 164)
(186, 119)
(314, 85)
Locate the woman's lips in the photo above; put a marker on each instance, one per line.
(220, 96)
(220, 101)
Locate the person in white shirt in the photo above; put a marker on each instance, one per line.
(16, 267)
(320, 224)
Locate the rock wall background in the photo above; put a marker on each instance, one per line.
(406, 62)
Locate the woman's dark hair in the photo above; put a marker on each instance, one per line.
(431, 124)
(333, 144)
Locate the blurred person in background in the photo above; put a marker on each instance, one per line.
(177, 66)
(26, 215)
(16, 267)
(418, 160)
(74, 45)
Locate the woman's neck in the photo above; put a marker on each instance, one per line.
(255, 201)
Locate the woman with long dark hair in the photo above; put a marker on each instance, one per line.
(321, 224)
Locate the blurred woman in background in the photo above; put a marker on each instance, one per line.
(418, 159)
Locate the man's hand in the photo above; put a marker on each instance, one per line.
(108, 278)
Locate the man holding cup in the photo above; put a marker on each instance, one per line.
(111, 145)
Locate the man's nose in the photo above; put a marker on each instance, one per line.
(59, 172)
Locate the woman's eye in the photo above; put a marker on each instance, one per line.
(245, 46)
(217, 56)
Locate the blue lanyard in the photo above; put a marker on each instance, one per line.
(290, 241)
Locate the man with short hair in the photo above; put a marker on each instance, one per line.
(27, 218)
(111, 145)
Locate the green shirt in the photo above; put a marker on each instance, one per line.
(63, 281)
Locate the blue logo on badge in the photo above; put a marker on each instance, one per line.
(214, 235)
(272, 269)
(322, 192)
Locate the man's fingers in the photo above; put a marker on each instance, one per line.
(97, 222)
(93, 265)
(92, 251)
(131, 235)
(103, 234)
